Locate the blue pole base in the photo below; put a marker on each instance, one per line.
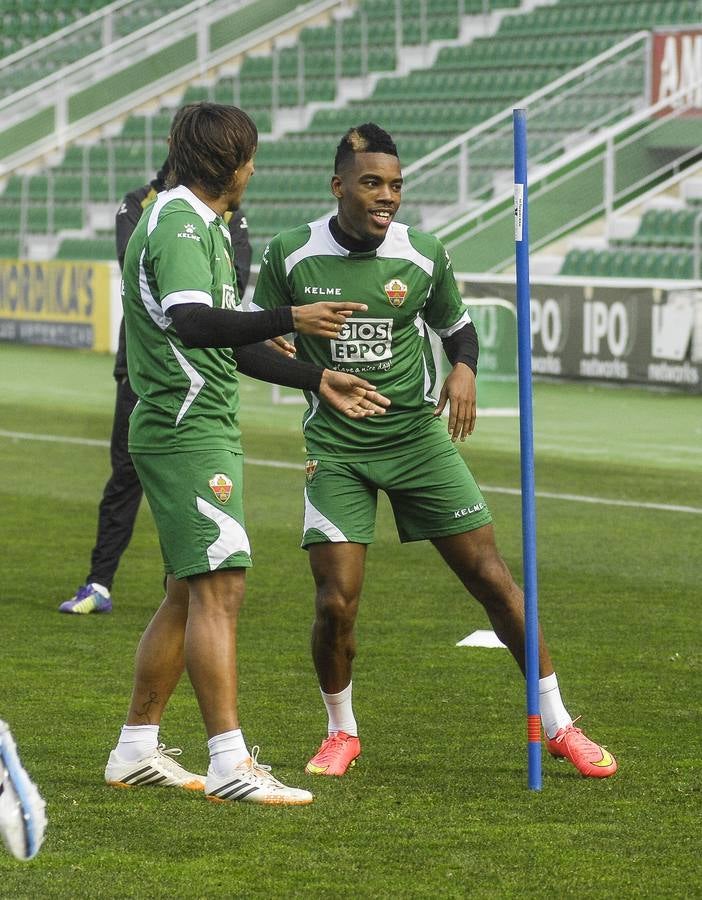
(534, 762)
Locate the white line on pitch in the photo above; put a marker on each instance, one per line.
(278, 464)
(604, 501)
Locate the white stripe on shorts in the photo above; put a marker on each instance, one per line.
(314, 519)
(232, 537)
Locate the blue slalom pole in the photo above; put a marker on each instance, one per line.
(526, 437)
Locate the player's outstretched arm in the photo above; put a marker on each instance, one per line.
(459, 392)
(324, 319)
(352, 396)
(282, 345)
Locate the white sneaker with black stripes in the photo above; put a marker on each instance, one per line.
(252, 782)
(158, 770)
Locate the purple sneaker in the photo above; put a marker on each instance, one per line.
(89, 598)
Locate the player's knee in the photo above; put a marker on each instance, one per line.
(490, 581)
(336, 610)
(217, 596)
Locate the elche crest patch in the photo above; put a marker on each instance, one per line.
(221, 487)
(311, 468)
(396, 292)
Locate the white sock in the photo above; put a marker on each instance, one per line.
(227, 750)
(101, 589)
(340, 711)
(137, 742)
(554, 715)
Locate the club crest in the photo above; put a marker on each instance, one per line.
(396, 291)
(221, 487)
(310, 469)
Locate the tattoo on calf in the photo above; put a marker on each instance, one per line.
(144, 712)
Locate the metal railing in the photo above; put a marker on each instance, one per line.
(305, 76)
(469, 165)
(697, 247)
(80, 50)
(47, 74)
(144, 64)
(598, 177)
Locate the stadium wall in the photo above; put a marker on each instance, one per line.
(583, 329)
(610, 330)
(60, 304)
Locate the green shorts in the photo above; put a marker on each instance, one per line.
(196, 499)
(431, 497)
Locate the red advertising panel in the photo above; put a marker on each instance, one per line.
(677, 66)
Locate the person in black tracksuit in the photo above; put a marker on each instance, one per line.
(122, 494)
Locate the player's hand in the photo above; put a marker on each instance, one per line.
(324, 319)
(282, 346)
(352, 396)
(459, 392)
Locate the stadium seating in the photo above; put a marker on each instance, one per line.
(629, 263)
(24, 22)
(93, 248)
(467, 83)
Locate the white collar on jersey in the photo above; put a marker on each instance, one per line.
(182, 193)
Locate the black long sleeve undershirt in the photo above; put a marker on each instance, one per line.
(462, 346)
(204, 326)
(266, 364)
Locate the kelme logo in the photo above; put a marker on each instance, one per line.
(221, 487)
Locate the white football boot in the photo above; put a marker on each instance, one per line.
(157, 770)
(252, 782)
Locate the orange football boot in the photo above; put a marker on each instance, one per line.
(589, 758)
(337, 754)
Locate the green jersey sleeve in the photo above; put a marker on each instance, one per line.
(445, 311)
(180, 253)
(272, 288)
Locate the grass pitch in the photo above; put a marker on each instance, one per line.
(437, 805)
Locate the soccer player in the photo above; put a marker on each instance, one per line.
(404, 277)
(122, 494)
(22, 808)
(182, 320)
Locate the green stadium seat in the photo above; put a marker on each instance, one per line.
(573, 263)
(74, 158)
(319, 89)
(99, 189)
(320, 62)
(68, 187)
(256, 93)
(318, 38)
(683, 266)
(682, 228)
(288, 63)
(9, 247)
(38, 187)
(14, 187)
(195, 93)
(37, 219)
(10, 217)
(68, 218)
(87, 248)
(648, 230)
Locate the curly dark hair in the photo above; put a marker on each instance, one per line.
(208, 142)
(366, 138)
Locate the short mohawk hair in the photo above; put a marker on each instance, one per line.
(366, 138)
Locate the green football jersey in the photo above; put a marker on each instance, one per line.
(180, 252)
(407, 284)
